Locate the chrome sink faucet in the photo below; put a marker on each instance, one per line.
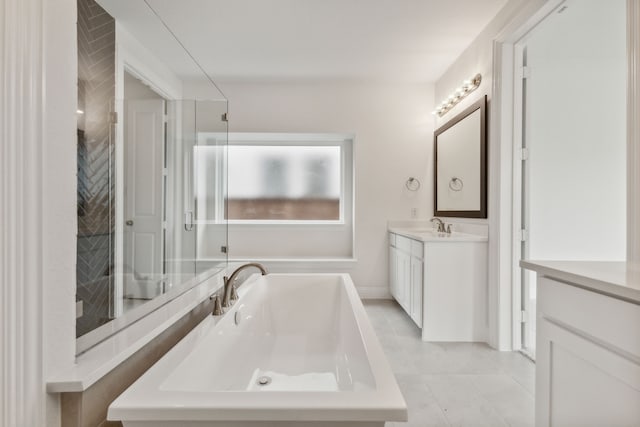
(442, 228)
(229, 289)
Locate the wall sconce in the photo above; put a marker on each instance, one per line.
(460, 93)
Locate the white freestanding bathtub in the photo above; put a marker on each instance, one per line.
(296, 350)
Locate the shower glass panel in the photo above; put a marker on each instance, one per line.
(151, 220)
(210, 169)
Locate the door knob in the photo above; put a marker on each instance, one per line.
(129, 222)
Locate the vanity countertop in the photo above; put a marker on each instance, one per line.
(430, 235)
(617, 279)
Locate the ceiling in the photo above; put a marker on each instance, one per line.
(400, 41)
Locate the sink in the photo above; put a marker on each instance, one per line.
(429, 234)
(432, 233)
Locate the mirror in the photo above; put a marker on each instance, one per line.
(460, 188)
(144, 107)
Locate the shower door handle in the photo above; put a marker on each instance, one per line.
(188, 220)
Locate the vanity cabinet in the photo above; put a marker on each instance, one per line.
(405, 260)
(588, 346)
(440, 280)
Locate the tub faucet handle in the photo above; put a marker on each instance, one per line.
(217, 306)
(234, 293)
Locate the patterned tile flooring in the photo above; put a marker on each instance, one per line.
(453, 384)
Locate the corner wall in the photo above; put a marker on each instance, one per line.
(393, 132)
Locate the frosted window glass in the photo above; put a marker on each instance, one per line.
(287, 182)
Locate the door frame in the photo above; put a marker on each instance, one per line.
(128, 59)
(505, 135)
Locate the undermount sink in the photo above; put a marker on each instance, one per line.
(430, 232)
(433, 233)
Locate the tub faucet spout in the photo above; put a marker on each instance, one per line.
(228, 281)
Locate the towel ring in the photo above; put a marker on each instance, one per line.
(456, 184)
(412, 184)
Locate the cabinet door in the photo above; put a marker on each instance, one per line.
(416, 290)
(393, 272)
(587, 358)
(404, 280)
(582, 383)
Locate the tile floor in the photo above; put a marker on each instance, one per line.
(453, 384)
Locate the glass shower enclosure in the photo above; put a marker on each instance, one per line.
(152, 138)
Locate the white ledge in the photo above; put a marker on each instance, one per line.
(616, 279)
(98, 361)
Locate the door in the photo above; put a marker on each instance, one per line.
(416, 290)
(403, 267)
(144, 195)
(393, 272)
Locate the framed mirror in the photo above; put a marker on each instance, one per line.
(460, 185)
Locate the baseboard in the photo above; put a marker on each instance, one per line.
(373, 292)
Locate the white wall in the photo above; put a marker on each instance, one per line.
(58, 217)
(37, 204)
(393, 141)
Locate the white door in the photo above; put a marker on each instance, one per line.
(393, 271)
(403, 272)
(416, 290)
(144, 198)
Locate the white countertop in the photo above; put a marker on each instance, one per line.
(617, 279)
(429, 235)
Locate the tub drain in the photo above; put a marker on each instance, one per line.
(264, 380)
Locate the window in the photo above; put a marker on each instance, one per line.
(287, 195)
(292, 181)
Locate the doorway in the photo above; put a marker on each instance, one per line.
(569, 164)
(144, 193)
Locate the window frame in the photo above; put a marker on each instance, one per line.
(345, 143)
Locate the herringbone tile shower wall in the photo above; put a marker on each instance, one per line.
(96, 96)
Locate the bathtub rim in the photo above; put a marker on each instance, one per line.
(145, 401)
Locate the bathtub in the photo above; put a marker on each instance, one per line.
(295, 350)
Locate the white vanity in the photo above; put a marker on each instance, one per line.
(588, 343)
(440, 280)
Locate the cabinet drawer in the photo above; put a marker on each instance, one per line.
(607, 319)
(403, 243)
(417, 249)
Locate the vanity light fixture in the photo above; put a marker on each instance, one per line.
(458, 95)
